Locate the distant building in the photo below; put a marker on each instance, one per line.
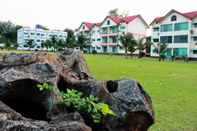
(105, 35)
(179, 31)
(38, 35)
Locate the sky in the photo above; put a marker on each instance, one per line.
(61, 14)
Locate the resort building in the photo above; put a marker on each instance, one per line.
(179, 31)
(38, 35)
(105, 35)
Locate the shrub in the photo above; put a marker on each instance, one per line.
(45, 87)
(90, 104)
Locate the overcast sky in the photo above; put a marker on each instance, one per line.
(61, 14)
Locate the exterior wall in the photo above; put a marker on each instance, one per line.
(190, 45)
(109, 33)
(96, 39)
(37, 35)
(137, 28)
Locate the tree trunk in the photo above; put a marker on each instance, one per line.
(126, 52)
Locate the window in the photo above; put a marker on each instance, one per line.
(38, 40)
(38, 34)
(181, 26)
(98, 39)
(166, 27)
(195, 38)
(83, 27)
(108, 22)
(32, 33)
(181, 39)
(122, 27)
(98, 47)
(166, 39)
(42, 34)
(155, 40)
(195, 51)
(156, 29)
(195, 25)
(180, 51)
(173, 18)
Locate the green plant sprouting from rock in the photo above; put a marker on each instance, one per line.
(45, 87)
(78, 101)
(89, 104)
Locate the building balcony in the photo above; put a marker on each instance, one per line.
(108, 44)
(109, 34)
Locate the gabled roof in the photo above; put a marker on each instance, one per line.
(88, 24)
(127, 19)
(189, 15)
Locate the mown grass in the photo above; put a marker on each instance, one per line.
(172, 86)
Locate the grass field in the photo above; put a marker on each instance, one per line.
(172, 86)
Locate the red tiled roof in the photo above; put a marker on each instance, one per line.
(89, 25)
(97, 24)
(128, 19)
(119, 19)
(190, 15)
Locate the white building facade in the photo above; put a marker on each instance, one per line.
(38, 36)
(178, 31)
(105, 35)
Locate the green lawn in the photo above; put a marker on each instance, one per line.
(172, 86)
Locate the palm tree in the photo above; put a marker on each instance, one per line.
(143, 46)
(160, 49)
(148, 45)
(128, 43)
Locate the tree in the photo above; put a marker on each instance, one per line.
(82, 41)
(128, 43)
(113, 12)
(160, 49)
(47, 44)
(8, 32)
(70, 40)
(143, 46)
(30, 44)
(148, 45)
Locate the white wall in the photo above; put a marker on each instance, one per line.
(104, 24)
(137, 27)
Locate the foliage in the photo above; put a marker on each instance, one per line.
(8, 34)
(82, 41)
(143, 44)
(53, 43)
(148, 45)
(113, 12)
(128, 42)
(161, 49)
(70, 40)
(30, 44)
(90, 104)
(45, 87)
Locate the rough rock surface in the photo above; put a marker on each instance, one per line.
(24, 107)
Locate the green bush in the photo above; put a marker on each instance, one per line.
(45, 87)
(90, 104)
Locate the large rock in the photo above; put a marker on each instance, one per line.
(20, 74)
